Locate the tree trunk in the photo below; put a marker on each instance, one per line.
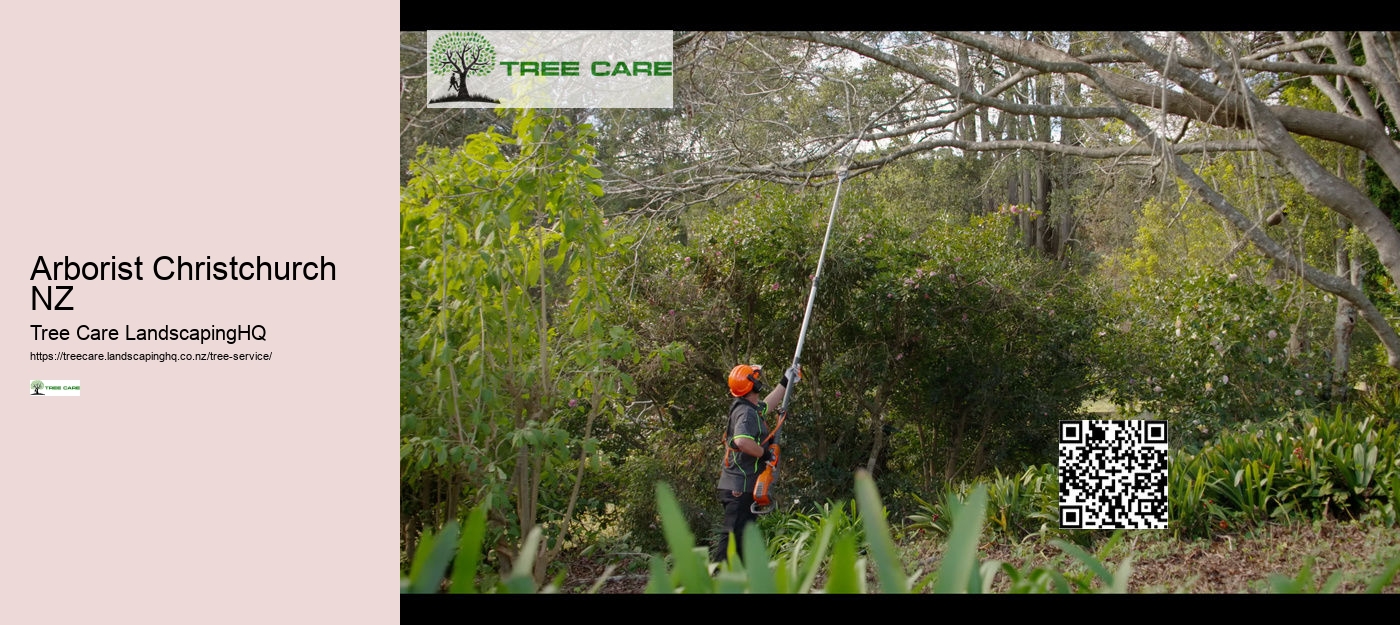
(1044, 232)
(1027, 194)
(453, 486)
(967, 128)
(877, 422)
(925, 467)
(954, 444)
(410, 535)
(1345, 319)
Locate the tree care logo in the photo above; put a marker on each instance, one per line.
(549, 69)
(54, 388)
(460, 55)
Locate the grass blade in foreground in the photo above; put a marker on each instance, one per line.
(427, 578)
(689, 569)
(960, 557)
(756, 562)
(469, 553)
(877, 536)
(841, 573)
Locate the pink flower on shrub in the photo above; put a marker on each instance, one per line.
(776, 287)
(573, 403)
(901, 356)
(1273, 334)
(838, 393)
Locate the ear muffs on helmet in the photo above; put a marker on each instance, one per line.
(745, 379)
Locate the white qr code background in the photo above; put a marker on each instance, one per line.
(1113, 474)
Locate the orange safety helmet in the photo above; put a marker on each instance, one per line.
(742, 379)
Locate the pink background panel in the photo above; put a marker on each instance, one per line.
(211, 492)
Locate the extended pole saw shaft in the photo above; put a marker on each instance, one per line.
(763, 501)
(816, 278)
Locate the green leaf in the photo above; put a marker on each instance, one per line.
(985, 578)
(689, 569)
(469, 552)
(842, 574)
(522, 579)
(420, 556)
(1089, 561)
(756, 558)
(814, 563)
(877, 536)
(427, 578)
(1378, 584)
(960, 557)
(660, 582)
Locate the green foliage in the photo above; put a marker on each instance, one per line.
(1020, 506)
(1303, 583)
(1024, 505)
(1190, 512)
(961, 571)
(1199, 328)
(921, 339)
(507, 356)
(1339, 463)
(798, 568)
(790, 530)
(1342, 464)
(1205, 350)
(435, 552)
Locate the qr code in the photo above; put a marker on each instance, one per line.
(1113, 474)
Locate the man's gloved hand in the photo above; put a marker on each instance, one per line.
(767, 455)
(792, 375)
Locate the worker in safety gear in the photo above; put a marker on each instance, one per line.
(745, 455)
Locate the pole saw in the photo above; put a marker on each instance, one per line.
(762, 490)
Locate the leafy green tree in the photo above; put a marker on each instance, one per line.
(507, 359)
(1140, 97)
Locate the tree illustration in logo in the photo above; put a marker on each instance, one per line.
(36, 385)
(459, 55)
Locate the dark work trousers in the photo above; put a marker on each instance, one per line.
(738, 513)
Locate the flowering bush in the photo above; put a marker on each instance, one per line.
(1208, 350)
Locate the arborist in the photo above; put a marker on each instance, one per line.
(751, 452)
(748, 448)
